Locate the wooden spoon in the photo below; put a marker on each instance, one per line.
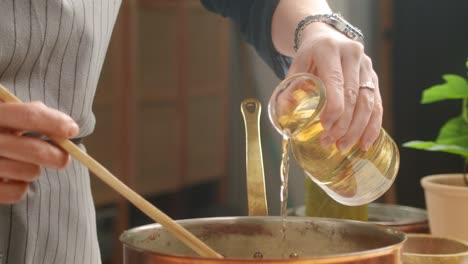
(146, 207)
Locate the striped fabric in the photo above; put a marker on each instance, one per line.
(53, 51)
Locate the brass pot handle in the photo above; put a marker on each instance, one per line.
(256, 194)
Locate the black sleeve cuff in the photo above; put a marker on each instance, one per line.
(253, 18)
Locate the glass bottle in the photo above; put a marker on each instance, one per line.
(353, 177)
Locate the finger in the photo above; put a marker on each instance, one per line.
(351, 67)
(12, 191)
(32, 150)
(37, 117)
(330, 72)
(19, 171)
(374, 126)
(10, 131)
(363, 110)
(300, 64)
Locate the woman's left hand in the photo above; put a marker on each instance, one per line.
(353, 112)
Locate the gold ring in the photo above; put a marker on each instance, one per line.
(368, 85)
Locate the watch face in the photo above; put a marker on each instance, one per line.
(351, 35)
(346, 28)
(341, 27)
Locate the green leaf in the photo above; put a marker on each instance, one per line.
(455, 87)
(433, 146)
(454, 132)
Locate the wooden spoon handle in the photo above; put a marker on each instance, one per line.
(146, 207)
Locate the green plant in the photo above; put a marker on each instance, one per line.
(453, 136)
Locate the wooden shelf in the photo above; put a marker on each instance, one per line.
(159, 85)
(161, 104)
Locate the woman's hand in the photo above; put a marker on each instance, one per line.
(22, 157)
(353, 113)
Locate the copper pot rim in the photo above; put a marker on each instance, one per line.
(376, 252)
(412, 215)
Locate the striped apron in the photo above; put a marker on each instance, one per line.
(53, 51)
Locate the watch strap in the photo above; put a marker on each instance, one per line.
(335, 20)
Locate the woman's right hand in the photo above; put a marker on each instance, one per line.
(22, 157)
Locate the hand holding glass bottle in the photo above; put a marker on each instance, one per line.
(351, 176)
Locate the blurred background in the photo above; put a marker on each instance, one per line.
(168, 105)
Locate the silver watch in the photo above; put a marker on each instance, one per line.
(335, 20)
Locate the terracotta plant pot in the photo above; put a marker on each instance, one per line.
(428, 249)
(447, 205)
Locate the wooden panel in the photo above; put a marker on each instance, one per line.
(207, 67)
(156, 149)
(386, 53)
(100, 146)
(156, 51)
(206, 146)
(158, 121)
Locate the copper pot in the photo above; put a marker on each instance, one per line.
(404, 218)
(260, 239)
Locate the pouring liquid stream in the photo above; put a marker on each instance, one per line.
(289, 124)
(284, 174)
(284, 198)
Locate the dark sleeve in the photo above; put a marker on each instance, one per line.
(253, 19)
